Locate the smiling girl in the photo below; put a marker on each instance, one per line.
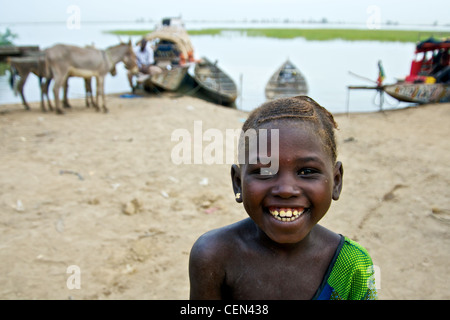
(280, 251)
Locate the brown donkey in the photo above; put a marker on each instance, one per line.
(63, 61)
(22, 67)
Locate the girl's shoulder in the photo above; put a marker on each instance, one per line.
(354, 253)
(218, 243)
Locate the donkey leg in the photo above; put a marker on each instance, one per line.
(41, 86)
(102, 90)
(25, 103)
(89, 96)
(66, 89)
(20, 86)
(45, 87)
(56, 89)
(97, 91)
(87, 91)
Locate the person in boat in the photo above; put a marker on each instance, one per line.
(145, 60)
(280, 251)
(441, 71)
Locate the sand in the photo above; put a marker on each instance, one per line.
(94, 200)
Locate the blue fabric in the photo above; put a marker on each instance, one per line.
(326, 293)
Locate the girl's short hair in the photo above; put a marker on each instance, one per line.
(301, 108)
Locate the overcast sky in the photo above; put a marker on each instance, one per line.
(402, 11)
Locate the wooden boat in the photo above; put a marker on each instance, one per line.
(215, 82)
(423, 84)
(170, 79)
(173, 53)
(419, 92)
(287, 81)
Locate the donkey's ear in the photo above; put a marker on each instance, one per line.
(129, 42)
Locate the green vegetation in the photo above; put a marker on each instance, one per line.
(330, 34)
(313, 34)
(6, 38)
(129, 32)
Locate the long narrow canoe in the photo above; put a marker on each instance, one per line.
(287, 81)
(215, 82)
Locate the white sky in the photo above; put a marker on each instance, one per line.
(402, 11)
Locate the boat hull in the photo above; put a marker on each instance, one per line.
(286, 82)
(215, 83)
(419, 92)
(169, 80)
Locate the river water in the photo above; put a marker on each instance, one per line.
(250, 61)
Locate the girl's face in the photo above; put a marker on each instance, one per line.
(288, 203)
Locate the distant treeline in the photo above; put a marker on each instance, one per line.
(314, 34)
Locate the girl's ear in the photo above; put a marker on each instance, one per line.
(236, 182)
(338, 180)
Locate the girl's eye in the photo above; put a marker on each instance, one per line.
(306, 171)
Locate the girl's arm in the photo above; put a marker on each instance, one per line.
(206, 269)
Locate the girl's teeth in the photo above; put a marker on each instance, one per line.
(286, 214)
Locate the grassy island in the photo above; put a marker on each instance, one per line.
(312, 34)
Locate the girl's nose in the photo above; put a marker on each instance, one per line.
(286, 187)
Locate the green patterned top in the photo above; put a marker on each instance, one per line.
(350, 275)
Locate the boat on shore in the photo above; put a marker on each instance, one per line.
(173, 53)
(169, 79)
(287, 81)
(420, 93)
(428, 80)
(214, 82)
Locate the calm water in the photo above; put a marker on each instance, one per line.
(325, 64)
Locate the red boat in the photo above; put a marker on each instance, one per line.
(429, 77)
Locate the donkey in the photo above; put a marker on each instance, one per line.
(22, 67)
(63, 61)
(87, 86)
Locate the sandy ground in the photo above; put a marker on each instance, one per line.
(100, 192)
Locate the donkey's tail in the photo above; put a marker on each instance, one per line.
(12, 76)
(13, 83)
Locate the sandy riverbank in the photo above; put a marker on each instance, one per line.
(66, 180)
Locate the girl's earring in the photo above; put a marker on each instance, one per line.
(238, 196)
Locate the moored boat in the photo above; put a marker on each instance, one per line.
(419, 92)
(215, 82)
(287, 81)
(428, 80)
(170, 79)
(173, 53)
